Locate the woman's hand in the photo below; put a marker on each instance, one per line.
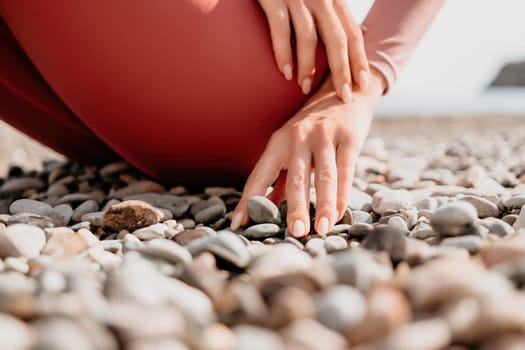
(340, 34)
(325, 136)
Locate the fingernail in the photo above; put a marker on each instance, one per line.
(306, 86)
(236, 220)
(364, 79)
(347, 93)
(298, 228)
(323, 226)
(287, 70)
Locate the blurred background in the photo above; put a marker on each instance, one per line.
(463, 52)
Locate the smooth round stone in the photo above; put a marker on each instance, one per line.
(15, 333)
(88, 206)
(210, 214)
(106, 259)
(60, 333)
(520, 221)
(360, 269)
(95, 219)
(515, 202)
(470, 243)
(279, 260)
(74, 198)
(391, 200)
(88, 236)
(65, 211)
(64, 244)
(422, 230)
(340, 228)
(113, 246)
(361, 217)
(168, 250)
(358, 200)
(21, 240)
(130, 215)
(454, 219)
(256, 338)
(426, 204)
(399, 223)
(150, 232)
(31, 219)
(508, 249)
(315, 247)
(262, 210)
(510, 219)
(260, 231)
(294, 242)
(498, 227)
(333, 244)
(187, 223)
(341, 308)
(288, 305)
(360, 230)
(224, 244)
(30, 206)
(185, 237)
(389, 239)
(57, 190)
(484, 207)
(20, 184)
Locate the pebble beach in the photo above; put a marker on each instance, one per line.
(430, 254)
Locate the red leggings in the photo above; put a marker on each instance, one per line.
(186, 90)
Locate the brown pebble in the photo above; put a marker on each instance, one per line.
(130, 215)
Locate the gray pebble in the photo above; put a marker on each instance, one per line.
(95, 219)
(360, 230)
(168, 250)
(454, 219)
(225, 245)
(470, 243)
(341, 308)
(389, 239)
(484, 207)
(65, 211)
(515, 202)
(333, 244)
(20, 184)
(210, 214)
(262, 210)
(30, 206)
(315, 247)
(260, 231)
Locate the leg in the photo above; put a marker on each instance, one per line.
(28, 104)
(184, 92)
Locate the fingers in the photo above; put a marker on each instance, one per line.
(298, 191)
(325, 187)
(279, 22)
(346, 159)
(336, 43)
(263, 175)
(356, 46)
(306, 36)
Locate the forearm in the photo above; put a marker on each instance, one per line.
(392, 31)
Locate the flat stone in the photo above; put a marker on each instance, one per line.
(341, 308)
(187, 223)
(225, 245)
(333, 244)
(21, 240)
(103, 257)
(20, 184)
(150, 232)
(74, 198)
(210, 214)
(484, 207)
(261, 231)
(16, 264)
(454, 219)
(391, 199)
(315, 247)
(95, 219)
(281, 259)
(185, 237)
(360, 230)
(142, 186)
(471, 243)
(130, 215)
(31, 219)
(399, 223)
(389, 239)
(30, 206)
(262, 210)
(358, 200)
(167, 250)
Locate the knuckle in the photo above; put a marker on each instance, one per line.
(325, 175)
(296, 180)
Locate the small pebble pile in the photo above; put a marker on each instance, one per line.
(429, 255)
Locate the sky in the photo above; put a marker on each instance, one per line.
(462, 52)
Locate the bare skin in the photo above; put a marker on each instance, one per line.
(339, 32)
(324, 137)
